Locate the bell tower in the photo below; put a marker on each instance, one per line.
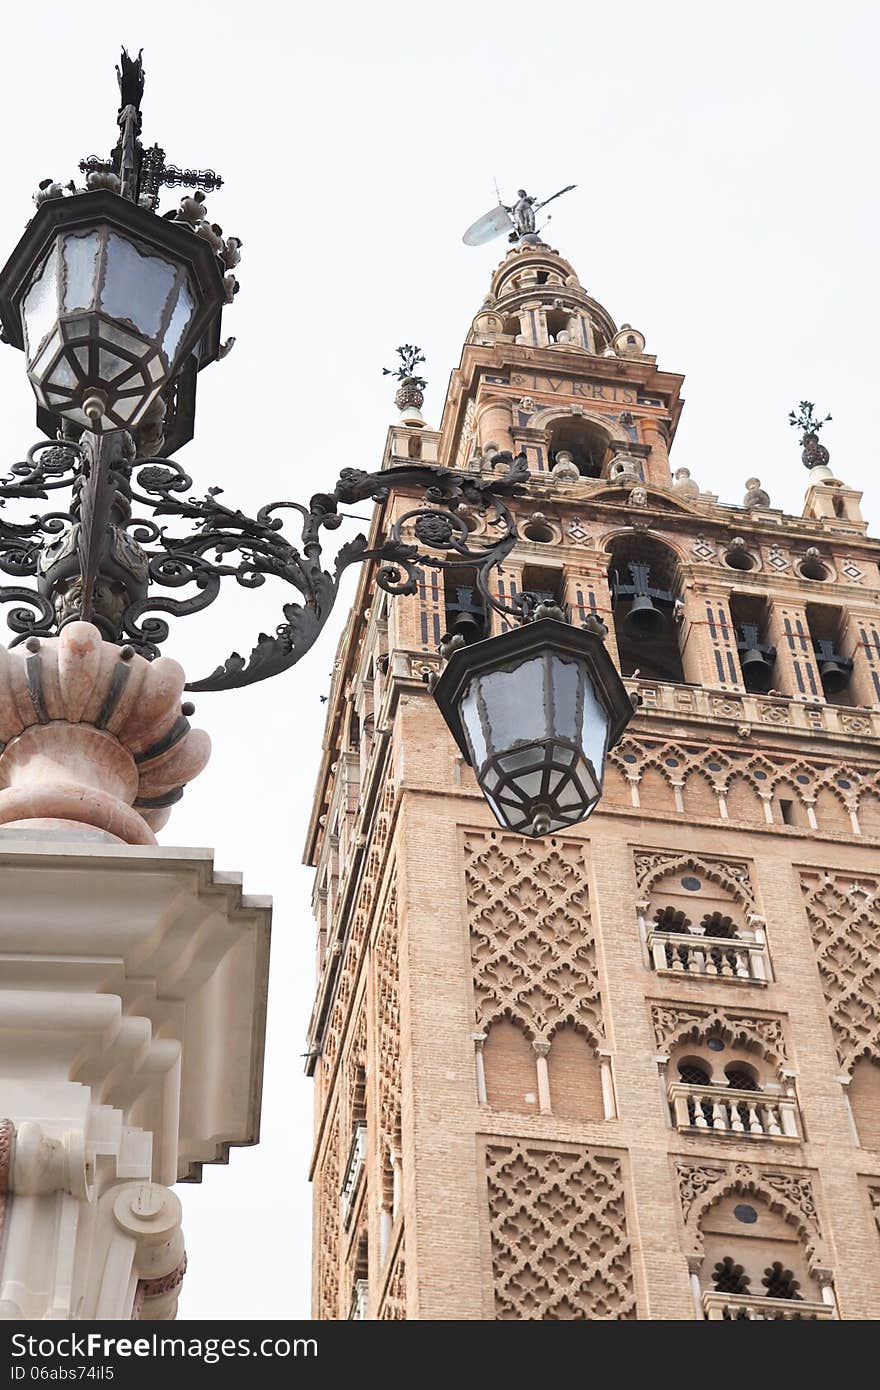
(631, 1070)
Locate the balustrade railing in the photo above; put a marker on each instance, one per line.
(730, 1307)
(742, 707)
(686, 953)
(724, 1110)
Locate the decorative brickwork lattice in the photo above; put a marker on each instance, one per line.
(559, 1239)
(844, 915)
(350, 965)
(534, 956)
(386, 967)
(328, 1216)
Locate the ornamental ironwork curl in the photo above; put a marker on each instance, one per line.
(113, 573)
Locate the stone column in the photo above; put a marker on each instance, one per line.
(657, 470)
(541, 1051)
(861, 642)
(789, 633)
(708, 640)
(493, 424)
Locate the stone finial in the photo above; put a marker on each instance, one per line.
(684, 484)
(755, 495)
(565, 470)
(624, 468)
(628, 342)
(93, 737)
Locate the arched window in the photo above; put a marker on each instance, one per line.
(643, 576)
(510, 1065)
(754, 1255)
(587, 442)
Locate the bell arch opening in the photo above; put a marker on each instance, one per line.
(644, 581)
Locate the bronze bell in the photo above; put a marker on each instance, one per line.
(469, 625)
(833, 675)
(644, 621)
(757, 669)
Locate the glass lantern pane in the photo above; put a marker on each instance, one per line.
(183, 312)
(110, 366)
(566, 677)
(595, 728)
(522, 758)
(40, 307)
(62, 374)
(470, 718)
(589, 786)
(529, 784)
(127, 341)
(127, 407)
(514, 703)
(80, 266)
(570, 796)
(41, 365)
(136, 285)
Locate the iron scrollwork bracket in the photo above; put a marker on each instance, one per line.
(110, 573)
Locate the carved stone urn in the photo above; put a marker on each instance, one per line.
(94, 738)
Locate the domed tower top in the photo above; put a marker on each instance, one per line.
(545, 371)
(537, 300)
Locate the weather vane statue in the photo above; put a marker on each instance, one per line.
(517, 219)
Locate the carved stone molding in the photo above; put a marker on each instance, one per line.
(789, 1192)
(674, 1023)
(393, 1307)
(731, 874)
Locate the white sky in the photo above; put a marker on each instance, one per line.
(727, 206)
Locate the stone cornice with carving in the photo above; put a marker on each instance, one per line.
(675, 1023)
(789, 1192)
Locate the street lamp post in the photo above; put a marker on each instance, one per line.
(117, 309)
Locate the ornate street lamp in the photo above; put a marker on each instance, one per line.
(534, 712)
(117, 308)
(107, 300)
